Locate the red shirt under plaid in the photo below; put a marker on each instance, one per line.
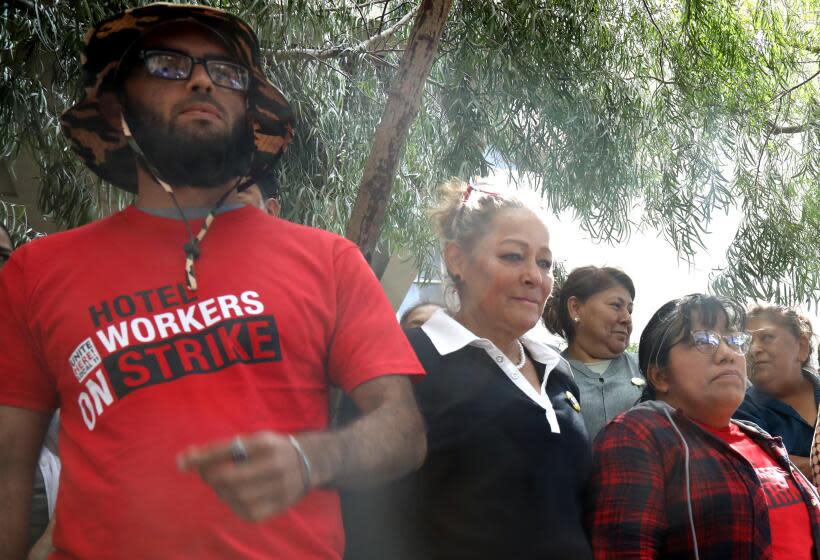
(638, 499)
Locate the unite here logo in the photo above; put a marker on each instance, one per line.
(83, 361)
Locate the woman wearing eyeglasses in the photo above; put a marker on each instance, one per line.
(785, 393)
(508, 455)
(676, 477)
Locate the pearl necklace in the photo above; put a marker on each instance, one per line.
(522, 357)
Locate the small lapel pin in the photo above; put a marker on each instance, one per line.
(638, 381)
(573, 401)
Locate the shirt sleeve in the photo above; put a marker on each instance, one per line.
(626, 510)
(367, 341)
(24, 379)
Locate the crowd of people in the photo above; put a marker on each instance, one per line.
(190, 343)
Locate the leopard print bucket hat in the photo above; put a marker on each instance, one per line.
(105, 149)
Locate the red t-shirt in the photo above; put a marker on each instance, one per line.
(788, 515)
(97, 321)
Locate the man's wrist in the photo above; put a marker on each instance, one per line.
(323, 451)
(304, 460)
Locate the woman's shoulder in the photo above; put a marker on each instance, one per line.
(447, 368)
(647, 412)
(648, 432)
(632, 360)
(425, 350)
(644, 420)
(426, 347)
(418, 339)
(754, 408)
(562, 374)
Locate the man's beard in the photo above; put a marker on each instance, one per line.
(189, 157)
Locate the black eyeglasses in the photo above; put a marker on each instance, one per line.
(709, 341)
(172, 65)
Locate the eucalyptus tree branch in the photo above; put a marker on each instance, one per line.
(649, 77)
(655, 25)
(381, 19)
(791, 89)
(777, 129)
(765, 143)
(402, 107)
(365, 46)
(383, 62)
(339, 71)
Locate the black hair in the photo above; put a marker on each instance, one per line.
(582, 283)
(409, 311)
(672, 324)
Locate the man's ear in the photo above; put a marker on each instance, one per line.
(273, 207)
(656, 377)
(111, 110)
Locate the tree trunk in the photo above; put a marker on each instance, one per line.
(402, 106)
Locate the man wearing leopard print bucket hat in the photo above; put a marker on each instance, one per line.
(192, 370)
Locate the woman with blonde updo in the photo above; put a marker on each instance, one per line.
(508, 454)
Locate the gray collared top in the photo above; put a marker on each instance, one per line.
(606, 395)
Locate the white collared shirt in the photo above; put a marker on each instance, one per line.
(448, 336)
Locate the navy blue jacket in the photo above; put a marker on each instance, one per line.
(497, 484)
(779, 419)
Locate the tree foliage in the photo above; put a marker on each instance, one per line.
(680, 110)
(14, 217)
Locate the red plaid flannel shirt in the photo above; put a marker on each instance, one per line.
(637, 497)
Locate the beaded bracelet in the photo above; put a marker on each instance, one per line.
(307, 469)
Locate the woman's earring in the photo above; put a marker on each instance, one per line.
(451, 300)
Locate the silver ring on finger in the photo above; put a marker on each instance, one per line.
(239, 453)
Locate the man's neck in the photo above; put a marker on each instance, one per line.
(188, 212)
(151, 195)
